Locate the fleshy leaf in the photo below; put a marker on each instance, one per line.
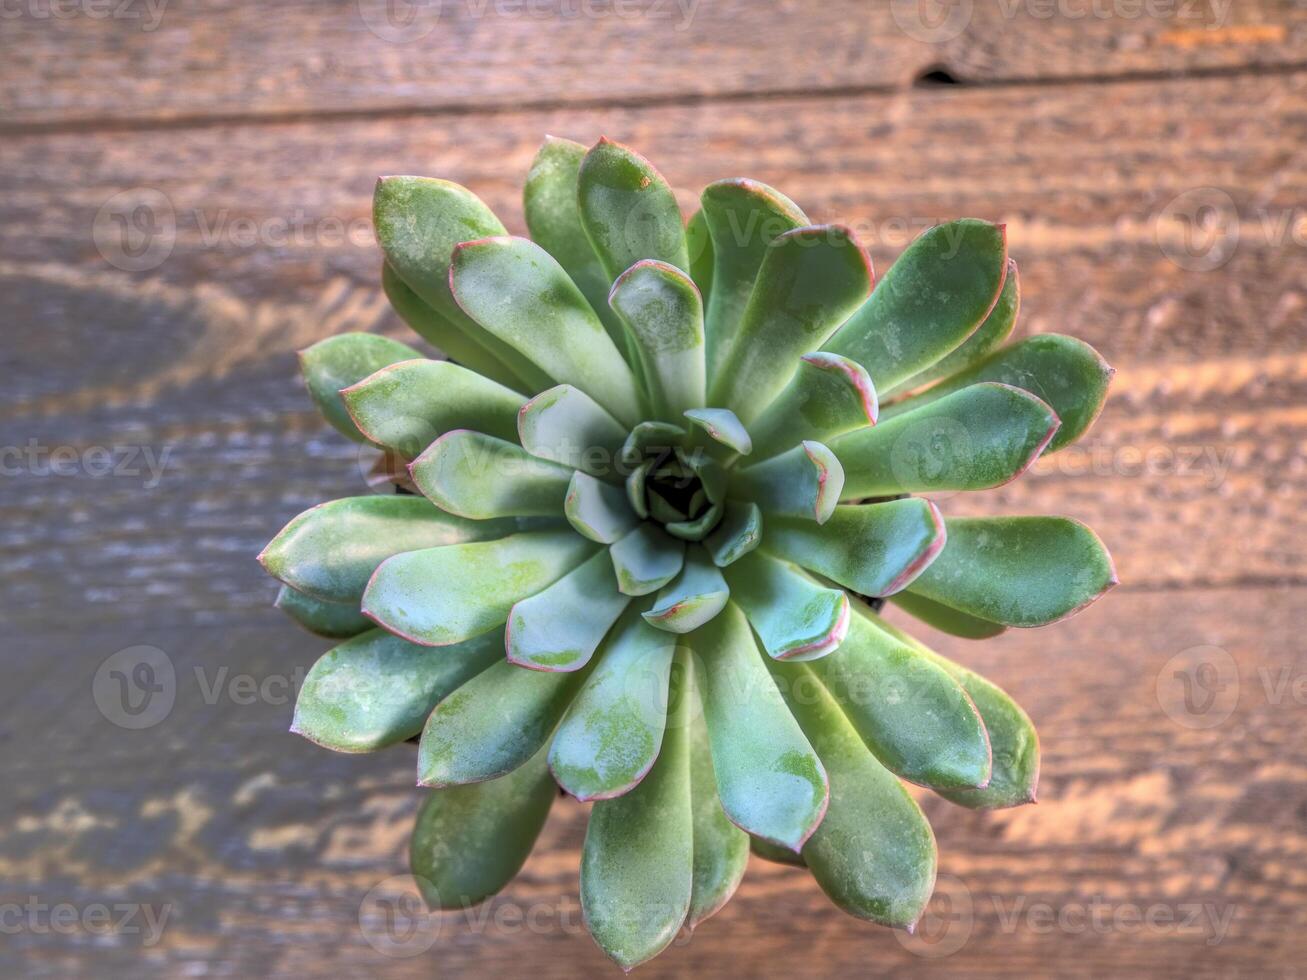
(598, 510)
(911, 713)
(945, 619)
(1018, 571)
(334, 620)
(805, 482)
(1066, 373)
(811, 279)
(874, 854)
(770, 781)
(646, 560)
(376, 689)
(519, 293)
(663, 313)
(739, 532)
(637, 865)
(469, 841)
(698, 240)
(743, 218)
(560, 627)
(566, 425)
(439, 596)
(343, 360)
(628, 210)
(932, 299)
(722, 427)
(610, 735)
(873, 549)
(776, 854)
(481, 477)
(795, 618)
(494, 723)
(331, 550)
(407, 406)
(695, 529)
(695, 596)
(828, 396)
(982, 436)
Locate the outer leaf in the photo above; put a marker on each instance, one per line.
(566, 425)
(698, 240)
(469, 841)
(481, 477)
(938, 292)
(637, 866)
(743, 218)
(1066, 373)
(770, 781)
(1019, 571)
(663, 313)
(376, 689)
(880, 868)
(945, 619)
(331, 550)
(911, 713)
(805, 482)
(492, 724)
(560, 627)
(440, 596)
(828, 396)
(598, 510)
(811, 279)
(628, 210)
(520, 294)
(1012, 736)
(723, 428)
(795, 618)
(335, 620)
(739, 532)
(612, 732)
(982, 436)
(406, 406)
(695, 596)
(340, 361)
(646, 560)
(873, 549)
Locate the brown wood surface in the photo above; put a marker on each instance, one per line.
(251, 129)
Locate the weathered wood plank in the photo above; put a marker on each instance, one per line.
(154, 60)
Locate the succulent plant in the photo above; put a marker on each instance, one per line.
(652, 508)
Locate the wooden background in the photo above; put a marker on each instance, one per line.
(1100, 133)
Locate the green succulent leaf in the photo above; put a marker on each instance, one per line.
(695, 596)
(932, 299)
(805, 482)
(611, 734)
(698, 240)
(560, 627)
(1018, 571)
(334, 620)
(481, 477)
(494, 723)
(743, 218)
(1066, 373)
(566, 425)
(776, 854)
(794, 617)
(911, 713)
(471, 840)
(376, 689)
(739, 532)
(874, 854)
(770, 781)
(331, 550)
(1013, 740)
(981, 436)
(598, 510)
(945, 619)
(646, 560)
(810, 280)
(873, 549)
(723, 428)
(519, 293)
(439, 596)
(828, 396)
(343, 360)
(637, 864)
(663, 313)
(408, 405)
